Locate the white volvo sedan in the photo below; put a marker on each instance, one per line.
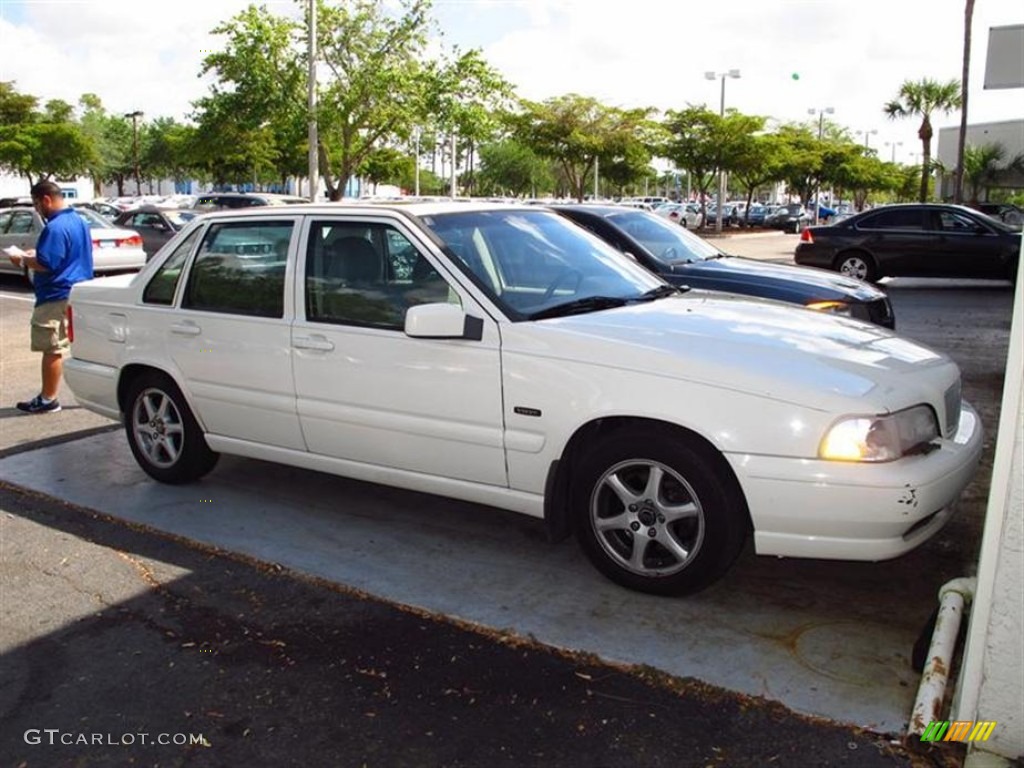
(502, 355)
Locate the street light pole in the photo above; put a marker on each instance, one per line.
(135, 148)
(312, 133)
(894, 144)
(720, 206)
(867, 136)
(821, 112)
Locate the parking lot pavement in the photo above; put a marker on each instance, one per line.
(791, 631)
(133, 647)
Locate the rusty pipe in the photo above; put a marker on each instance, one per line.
(953, 597)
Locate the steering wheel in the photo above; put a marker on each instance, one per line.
(563, 274)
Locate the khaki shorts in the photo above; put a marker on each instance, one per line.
(50, 328)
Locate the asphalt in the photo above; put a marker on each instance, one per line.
(138, 637)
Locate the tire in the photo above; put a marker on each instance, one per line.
(676, 498)
(857, 264)
(164, 436)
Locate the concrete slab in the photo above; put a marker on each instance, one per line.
(792, 631)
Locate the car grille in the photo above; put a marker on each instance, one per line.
(952, 399)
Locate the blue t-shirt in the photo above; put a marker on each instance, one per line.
(65, 249)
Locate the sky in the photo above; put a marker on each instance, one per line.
(793, 55)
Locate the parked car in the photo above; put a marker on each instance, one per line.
(217, 201)
(791, 217)
(914, 240)
(501, 354)
(103, 209)
(114, 249)
(156, 225)
(687, 215)
(756, 214)
(730, 216)
(1005, 212)
(684, 259)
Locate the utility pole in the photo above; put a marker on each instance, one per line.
(314, 148)
(135, 147)
(720, 206)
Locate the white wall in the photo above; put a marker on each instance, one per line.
(991, 685)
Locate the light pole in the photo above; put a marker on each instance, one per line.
(894, 144)
(312, 133)
(867, 136)
(135, 147)
(735, 74)
(820, 112)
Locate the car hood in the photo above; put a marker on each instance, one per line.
(765, 348)
(797, 283)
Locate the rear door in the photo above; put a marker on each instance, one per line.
(900, 241)
(231, 337)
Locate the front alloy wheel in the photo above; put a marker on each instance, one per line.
(647, 518)
(657, 511)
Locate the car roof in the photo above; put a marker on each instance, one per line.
(415, 208)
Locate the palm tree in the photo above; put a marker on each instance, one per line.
(983, 165)
(921, 99)
(958, 185)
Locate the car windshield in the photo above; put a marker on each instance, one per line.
(95, 220)
(666, 241)
(179, 218)
(530, 263)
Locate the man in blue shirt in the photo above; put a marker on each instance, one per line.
(62, 257)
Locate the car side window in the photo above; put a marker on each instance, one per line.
(899, 218)
(367, 275)
(240, 269)
(5, 219)
(163, 285)
(21, 223)
(955, 222)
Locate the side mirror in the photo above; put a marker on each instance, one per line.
(442, 321)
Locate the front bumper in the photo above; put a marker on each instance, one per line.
(857, 511)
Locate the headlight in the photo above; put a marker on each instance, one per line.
(832, 307)
(880, 438)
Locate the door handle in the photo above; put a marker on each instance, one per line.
(318, 343)
(186, 329)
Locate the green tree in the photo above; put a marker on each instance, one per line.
(165, 150)
(691, 134)
(510, 167)
(378, 88)
(984, 165)
(921, 99)
(387, 165)
(252, 125)
(40, 145)
(111, 140)
(575, 131)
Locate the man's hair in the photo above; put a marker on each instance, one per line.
(47, 189)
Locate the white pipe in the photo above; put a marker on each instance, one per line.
(928, 705)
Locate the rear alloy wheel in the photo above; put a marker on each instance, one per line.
(657, 515)
(164, 436)
(857, 265)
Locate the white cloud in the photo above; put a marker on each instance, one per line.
(140, 54)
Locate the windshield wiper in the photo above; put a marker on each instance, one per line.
(662, 291)
(579, 306)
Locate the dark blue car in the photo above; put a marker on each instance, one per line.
(682, 258)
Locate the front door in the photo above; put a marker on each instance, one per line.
(368, 393)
